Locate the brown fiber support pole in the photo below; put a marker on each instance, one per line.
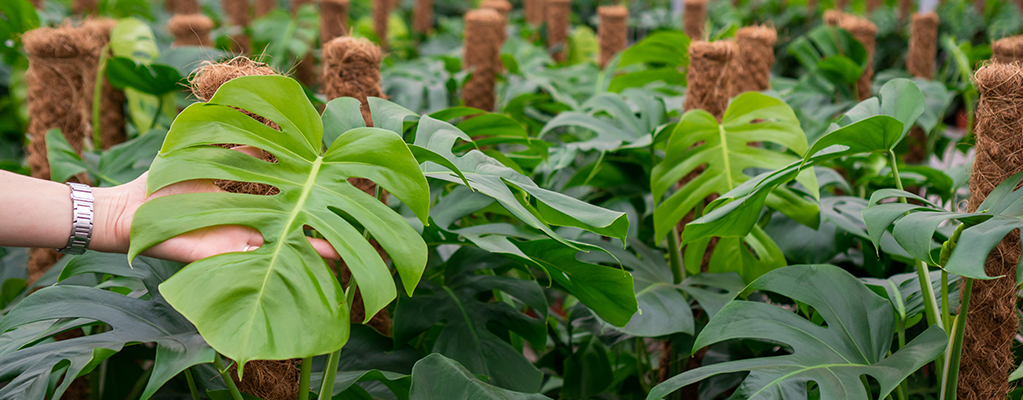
(991, 321)
(905, 8)
(186, 6)
(841, 5)
(1007, 50)
(558, 13)
(534, 11)
(833, 17)
(865, 32)
(381, 13)
(502, 7)
(709, 83)
(54, 90)
(482, 57)
(38, 4)
(333, 19)
(693, 18)
(351, 68)
(190, 30)
(923, 48)
(613, 31)
(237, 12)
(263, 7)
(267, 379)
(873, 5)
(84, 6)
(111, 100)
(422, 16)
(756, 57)
(305, 70)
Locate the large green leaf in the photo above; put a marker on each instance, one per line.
(251, 305)
(466, 335)
(441, 378)
(612, 118)
(665, 55)
(915, 225)
(876, 125)
(854, 342)
(28, 367)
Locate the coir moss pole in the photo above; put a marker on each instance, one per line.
(482, 57)
(190, 29)
(111, 113)
(263, 7)
(708, 77)
(923, 47)
(693, 18)
(186, 6)
(873, 5)
(841, 4)
(991, 321)
(381, 12)
(534, 10)
(865, 32)
(612, 31)
(305, 70)
(755, 58)
(558, 12)
(905, 8)
(422, 16)
(268, 379)
(1007, 50)
(333, 19)
(237, 12)
(833, 17)
(351, 68)
(54, 81)
(503, 7)
(84, 6)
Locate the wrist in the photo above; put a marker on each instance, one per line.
(112, 229)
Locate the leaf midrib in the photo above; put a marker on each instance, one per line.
(306, 189)
(724, 156)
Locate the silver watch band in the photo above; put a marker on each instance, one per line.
(81, 220)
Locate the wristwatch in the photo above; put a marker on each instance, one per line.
(81, 219)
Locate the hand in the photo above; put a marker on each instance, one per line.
(116, 208)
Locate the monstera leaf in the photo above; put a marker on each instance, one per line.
(877, 124)
(914, 226)
(612, 119)
(467, 335)
(27, 368)
(252, 305)
(436, 377)
(854, 342)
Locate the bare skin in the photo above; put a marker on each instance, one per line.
(37, 213)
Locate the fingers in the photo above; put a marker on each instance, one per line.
(324, 248)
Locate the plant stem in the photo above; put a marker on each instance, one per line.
(930, 304)
(231, 387)
(97, 98)
(950, 374)
(191, 384)
(946, 321)
(303, 380)
(328, 375)
(678, 273)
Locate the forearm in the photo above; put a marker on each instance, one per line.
(37, 213)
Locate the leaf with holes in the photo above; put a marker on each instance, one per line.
(854, 342)
(252, 305)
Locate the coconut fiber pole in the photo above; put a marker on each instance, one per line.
(613, 31)
(190, 29)
(841, 5)
(534, 10)
(54, 89)
(693, 19)
(557, 13)
(755, 57)
(422, 16)
(865, 32)
(1007, 50)
(381, 12)
(351, 68)
(111, 115)
(482, 57)
(237, 12)
(923, 48)
(905, 8)
(268, 379)
(503, 7)
(708, 76)
(186, 6)
(873, 5)
(263, 7)
(84, 6)
(333, 19)
(991, 321)
(305, 70)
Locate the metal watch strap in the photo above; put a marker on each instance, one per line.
(81, 220)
